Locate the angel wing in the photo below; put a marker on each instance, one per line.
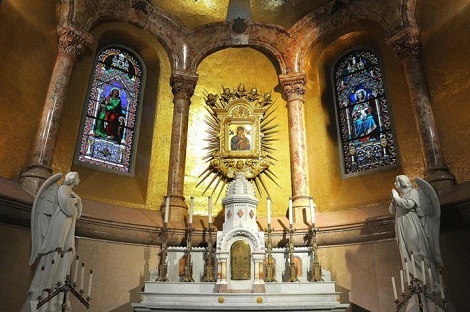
(44, 206)
(429, 211)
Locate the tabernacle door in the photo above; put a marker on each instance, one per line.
(240, 256)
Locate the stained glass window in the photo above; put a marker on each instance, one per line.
(364, 122)
(109, 127)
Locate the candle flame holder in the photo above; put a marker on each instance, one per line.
(270, 272)
(163, 266)
(209, 263)
(419, 289)
(64, 288)
(188, 265)
(292, 267)
(315, 269)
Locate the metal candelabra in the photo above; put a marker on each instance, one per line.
(188, 265)
(270, 272)
(417, 288)
(292, 268)
(163, 266)
(209, 263)
(315, 269)
(64, 288)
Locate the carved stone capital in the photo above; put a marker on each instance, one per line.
(294, 85)
(183, 84)
(72, 41)
(405, 44)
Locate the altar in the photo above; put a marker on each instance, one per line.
(234, 275)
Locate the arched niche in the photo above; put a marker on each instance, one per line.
(96, 184)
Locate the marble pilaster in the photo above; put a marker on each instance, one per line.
(294, 88)
(72, 41)
(406, 46)
(182, 85)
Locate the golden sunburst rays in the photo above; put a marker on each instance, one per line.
(223, 162)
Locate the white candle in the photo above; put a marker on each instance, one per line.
(414, 265)
(167, 208)
(441, 284)
(423, 269)
(312, 211)
(394, 288)
(407, 270)
(191, 210)
(268, 203)
(291, 220)
(431, 280)
(90, 281)
(82, 276)
(402, 282)
(209, 199)
(75, 273)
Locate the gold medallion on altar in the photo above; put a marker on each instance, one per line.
(241, 132)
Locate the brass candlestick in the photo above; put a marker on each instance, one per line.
(209, 263)
(188, 265)
(163, 266)
(417, 288)
(270, 272)
(315, 270)
(292, 268)
(64, 288)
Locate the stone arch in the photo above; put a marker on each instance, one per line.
(166, 28)
(315, 25)
(230, 237)
(259, 37)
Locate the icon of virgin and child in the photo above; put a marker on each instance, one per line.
(240, 141)
(362, 113)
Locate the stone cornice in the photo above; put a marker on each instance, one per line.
(140, 226)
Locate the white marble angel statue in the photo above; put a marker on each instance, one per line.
(53, 217)
(417, 220)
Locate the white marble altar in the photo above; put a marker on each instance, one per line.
(235, 289)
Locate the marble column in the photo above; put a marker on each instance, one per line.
(406, 46)
(72, 41)
(182, 85)
(294, 88)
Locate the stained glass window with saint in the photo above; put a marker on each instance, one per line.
(363, 116)
(109, 127)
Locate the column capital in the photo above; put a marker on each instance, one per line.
(405, 43)
(294, 85)
(183, 84)
(72, 41)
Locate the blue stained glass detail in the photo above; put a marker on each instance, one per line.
(364, 119)
(108, 132)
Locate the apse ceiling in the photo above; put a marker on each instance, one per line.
(195, 13)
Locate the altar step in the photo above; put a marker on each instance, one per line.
(195, 297)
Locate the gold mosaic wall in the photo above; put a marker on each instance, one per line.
(229, 68)
(28, 46)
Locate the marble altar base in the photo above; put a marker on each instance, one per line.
(168, 296)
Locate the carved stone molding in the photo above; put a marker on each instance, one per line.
(183, 85)
(294, 85)
(72, 41)
(405, 43)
